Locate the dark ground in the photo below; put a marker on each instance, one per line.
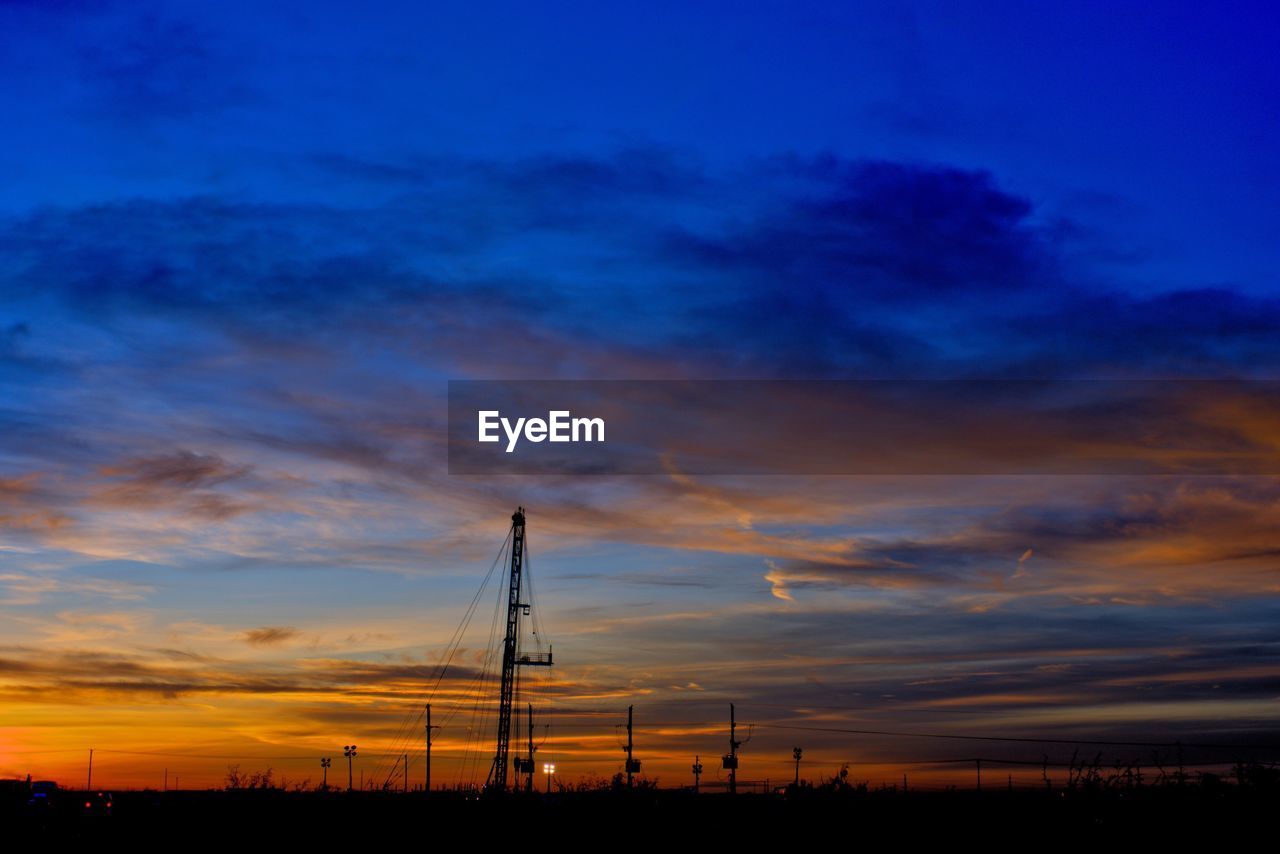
(1226, 814)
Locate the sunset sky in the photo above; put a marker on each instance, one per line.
(243, 249)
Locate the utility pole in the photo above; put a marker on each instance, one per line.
(697, 772)
(730, 760)
(632, 765)
(796, 752)
(528, 783)
(979, 764)
(324, 767)
(166, 779)
(429, 728)
(406, 773)
(89, 783)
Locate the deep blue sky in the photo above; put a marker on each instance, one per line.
(1158, 119)
(242, 247)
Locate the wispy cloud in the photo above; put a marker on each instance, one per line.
(270, 635)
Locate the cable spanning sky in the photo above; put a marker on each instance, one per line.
(243, 248)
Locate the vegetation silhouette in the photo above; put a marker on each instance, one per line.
(1122, 798)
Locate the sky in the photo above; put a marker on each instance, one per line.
(243, 249)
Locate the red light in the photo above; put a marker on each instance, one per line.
(87, 804)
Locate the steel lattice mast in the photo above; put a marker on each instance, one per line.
(511, 656)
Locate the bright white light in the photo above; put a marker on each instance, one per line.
(548, 768)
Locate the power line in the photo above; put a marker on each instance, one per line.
(1015, 739)
(407, 731)
(308, 757)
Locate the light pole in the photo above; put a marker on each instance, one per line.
(797, 753)
(697, 772)
(349, 750)
(325, 763)
(549, 769)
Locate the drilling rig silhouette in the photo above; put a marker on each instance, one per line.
(522, 618)
(514, 658)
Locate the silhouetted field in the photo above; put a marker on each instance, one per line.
(601, 818)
